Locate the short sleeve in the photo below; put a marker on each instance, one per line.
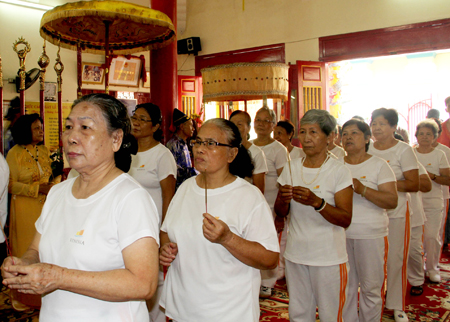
(138, 206)
(261, 228)
(344, 178)
(443, 162)
(408, 159)
(385, 174)
(166, 165)
(283, 178)
(259, 161)
(281, 157)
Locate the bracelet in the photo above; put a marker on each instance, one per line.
(322, 206)
(364, 192)
(434, 177)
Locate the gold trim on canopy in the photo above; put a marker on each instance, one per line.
(245, 81)
(132, 28)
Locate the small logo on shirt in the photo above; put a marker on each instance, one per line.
(429, 164)
(77, 239)
(387, 161)
(142, 166)
(363, 177)
(316, 187)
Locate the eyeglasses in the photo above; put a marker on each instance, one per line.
(210, 144)
(266, 122)
(140, 120)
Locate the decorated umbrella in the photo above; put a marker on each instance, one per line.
(105, 27)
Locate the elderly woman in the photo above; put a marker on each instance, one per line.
(155, 169)
(436, 164)
(283, 133)
(95, 253)
(403, 162)
(215, 257)
(374, 190)
(243, 121)
(276, 157)
(318, 192)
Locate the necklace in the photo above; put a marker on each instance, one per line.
(35, 158)
(318, 172)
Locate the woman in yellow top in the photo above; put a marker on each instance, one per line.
(29, 181)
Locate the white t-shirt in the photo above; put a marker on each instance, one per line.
(418, 217)
(258, 158)
(338, 152)
(446, 150)
(369, 221)
(205, 282)
(276, 157)
(90, 235)
(312, 240)
(297, 153)
(432, 162)
(400, 158)
(150, 167)
(4, 181)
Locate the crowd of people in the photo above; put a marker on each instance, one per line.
(199, 229)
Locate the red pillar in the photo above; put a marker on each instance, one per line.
(163, 70)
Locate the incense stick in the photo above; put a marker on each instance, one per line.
(289, 163)
(206, 193)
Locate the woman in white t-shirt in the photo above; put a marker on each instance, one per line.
(276, 157)
(436, 164)
(416, 275)
(445, 189)
(155, 169)
(243, 121)
(95, 253)
(153, 166)
(375, 190)
(317, 190)
(217, 234)
(403, 162)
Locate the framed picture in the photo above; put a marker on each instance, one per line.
(188, 85)
(125, 72)
(92, 73)
(147, 83)
(50, 92)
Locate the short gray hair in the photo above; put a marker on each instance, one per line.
(429, 124)
(325, 120)
(268, 110)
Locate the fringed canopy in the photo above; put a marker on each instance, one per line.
(245, 81)
(132, 28)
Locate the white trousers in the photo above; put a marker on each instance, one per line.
(416, 276)
(431, 239)
(156, 312)
(312, 286)
(399, 235)
(443, 222)
(270, 276)
(368, 268)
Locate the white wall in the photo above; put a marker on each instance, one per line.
(225, 26)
